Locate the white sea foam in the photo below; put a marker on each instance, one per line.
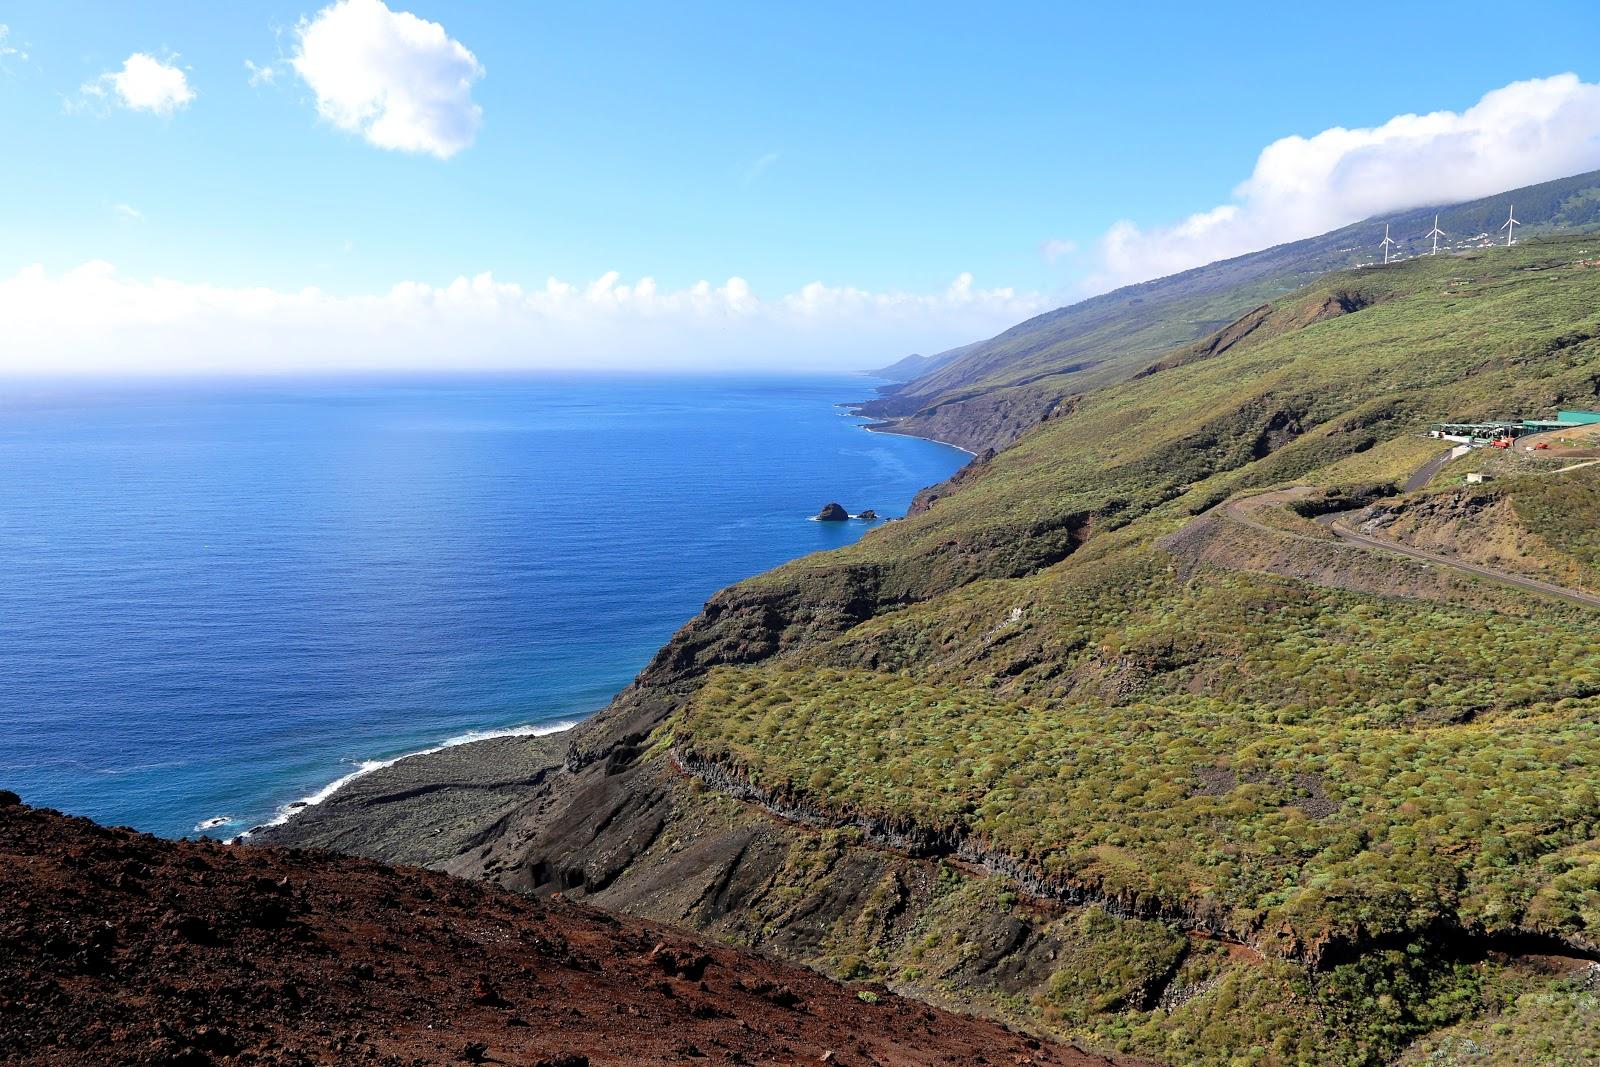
(295, 807)
(935, 440)
(214, 822)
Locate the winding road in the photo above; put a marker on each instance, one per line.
(1243, 511)
(1355, 537)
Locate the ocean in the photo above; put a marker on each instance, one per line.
(217, 598)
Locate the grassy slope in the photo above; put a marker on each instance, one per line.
(1103, 340)
(1337, 778)
(1493, 334)
(1560, 511)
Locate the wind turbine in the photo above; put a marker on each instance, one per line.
(1510, 226)
(1435, 233)
(1386, 244)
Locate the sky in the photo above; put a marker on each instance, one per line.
(300, 186)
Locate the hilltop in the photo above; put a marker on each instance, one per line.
(1101, 739)
(986, 394)
(117, 947)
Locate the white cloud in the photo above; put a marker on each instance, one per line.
(761, 165)
(397, 80)
(1056, 249)
(93, 320)
(1526, 132)
(7, 49)
(262, 73)
(145, 83)
(128, 211)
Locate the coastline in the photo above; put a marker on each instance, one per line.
(888, 427)
(343, 824)
(875, 424)
(292, 809)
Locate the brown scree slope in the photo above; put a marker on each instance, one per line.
(120, 948)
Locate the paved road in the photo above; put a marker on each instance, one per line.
(1356, 537)
(1424, 474)
(1243, 509)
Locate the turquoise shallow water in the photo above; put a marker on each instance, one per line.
(216, 599)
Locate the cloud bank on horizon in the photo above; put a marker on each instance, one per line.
(1524, 133)
(402, 83)
(91, 320)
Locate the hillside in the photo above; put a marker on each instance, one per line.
(986, 394)
(915, 365)
(120, 948)
(1090, 743)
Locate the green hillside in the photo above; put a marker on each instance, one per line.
(1114, 739)
(1379, 780)
(987, 393)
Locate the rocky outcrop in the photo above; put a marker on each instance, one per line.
(986, 421)
(1218, 343)
(925, 842)
(925, 498)
(696, 846)
(832, 513)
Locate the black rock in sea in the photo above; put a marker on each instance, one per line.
(869, 515)
(832, 513)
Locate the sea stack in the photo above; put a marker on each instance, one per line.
(869, 515)
(832, 513)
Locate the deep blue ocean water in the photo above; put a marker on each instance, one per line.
(216, 599)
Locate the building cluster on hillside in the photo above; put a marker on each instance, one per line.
(1500, 434)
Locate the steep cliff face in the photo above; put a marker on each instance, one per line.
(986, 422)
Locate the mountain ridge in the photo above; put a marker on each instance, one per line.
(986, 393)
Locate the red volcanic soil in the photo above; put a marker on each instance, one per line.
(121, 948)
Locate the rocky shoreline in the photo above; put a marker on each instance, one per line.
(425, 807)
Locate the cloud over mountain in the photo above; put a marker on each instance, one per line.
(1521, 134)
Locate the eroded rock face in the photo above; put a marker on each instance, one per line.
(832, 513)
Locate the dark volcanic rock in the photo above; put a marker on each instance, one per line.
(869, 515)
(421, 808)
(391, 966)
(832, 513)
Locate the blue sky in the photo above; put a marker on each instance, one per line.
(885, 149)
